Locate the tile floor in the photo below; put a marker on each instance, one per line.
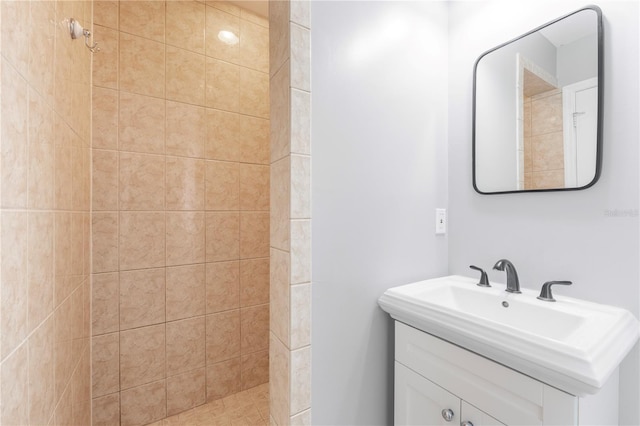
(247, 408)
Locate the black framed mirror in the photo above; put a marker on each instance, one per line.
(538, 107)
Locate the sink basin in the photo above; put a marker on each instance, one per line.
(570, 344)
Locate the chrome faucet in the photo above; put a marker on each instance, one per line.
(513, 284)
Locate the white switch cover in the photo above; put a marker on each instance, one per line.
(441, 221)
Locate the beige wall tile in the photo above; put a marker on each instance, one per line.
(222, 286)
(41, 378)
(254, 369)
(219, 20)
(254, 140)
(547, 179)
(185, 345)
(546, 115)
(300, 13)
(142, 356)
(301, 419)
(300, 380)
(223, 336)
(105, 303)
(142, 298)
(526, 115)
(279, 16)
(62, 260)
(141, 63)
(14, 372)
(547, 152)
(254, 328)
(142, 240)
(280, 114)
(63, 179)
(254, 93)
(254, 234)
(141, 124)
(41, 47)
(279, 381)
(222, 185)
(105, 180)
(222, 85)
(105, 64)
(185, 183)
(144, 404)
(300, 122)
(223, 133)
(300, 316)
(105, 242)
(14, 161)
(222, 236)
(185, 76)
(40, 269)
(105, 118)
(223, 379)
(255, 18)
(106, 13)
(300, 58)
(254, 46)
(185, 238)
(185, 130)
(254, 187)
(300, 187)
(279, 295)
(254, 282)
(225, 6)
(185, 292)
(186, 391)
(143, 18)
(280, 204)
(186, 25)
(300, 251)
(106, 410)
(141, 181)
(41, 160)
(18, 14)
(105, 352)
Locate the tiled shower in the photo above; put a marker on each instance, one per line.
(138, 211)
(180, 207)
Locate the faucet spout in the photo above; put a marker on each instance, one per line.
(513, 284)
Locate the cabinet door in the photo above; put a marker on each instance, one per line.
(471, 416)
(419, 401)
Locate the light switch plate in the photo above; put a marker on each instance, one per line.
(441, 221)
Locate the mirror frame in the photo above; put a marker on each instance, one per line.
(599, 120)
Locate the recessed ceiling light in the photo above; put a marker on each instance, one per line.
(228, 37)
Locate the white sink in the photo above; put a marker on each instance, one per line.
(571, 344)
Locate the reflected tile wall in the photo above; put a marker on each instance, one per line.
(543, 141)
(180, 207)
(290, 204)
(45, 161)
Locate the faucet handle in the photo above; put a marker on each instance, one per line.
(484, 279)
(545, 293)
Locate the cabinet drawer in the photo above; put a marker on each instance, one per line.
(501, 392)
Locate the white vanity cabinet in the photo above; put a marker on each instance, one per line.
(433, 376)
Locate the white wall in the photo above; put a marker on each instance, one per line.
(578, 61)
(379, 114)
(496, 94)
(561, 235)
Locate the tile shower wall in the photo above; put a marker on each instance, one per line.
(543, 141)
(44, 214)
(180, 207)
(290, 323)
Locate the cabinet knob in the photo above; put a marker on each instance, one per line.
(448, 414)
(466, 423)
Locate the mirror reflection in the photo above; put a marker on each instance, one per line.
(537, 110)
